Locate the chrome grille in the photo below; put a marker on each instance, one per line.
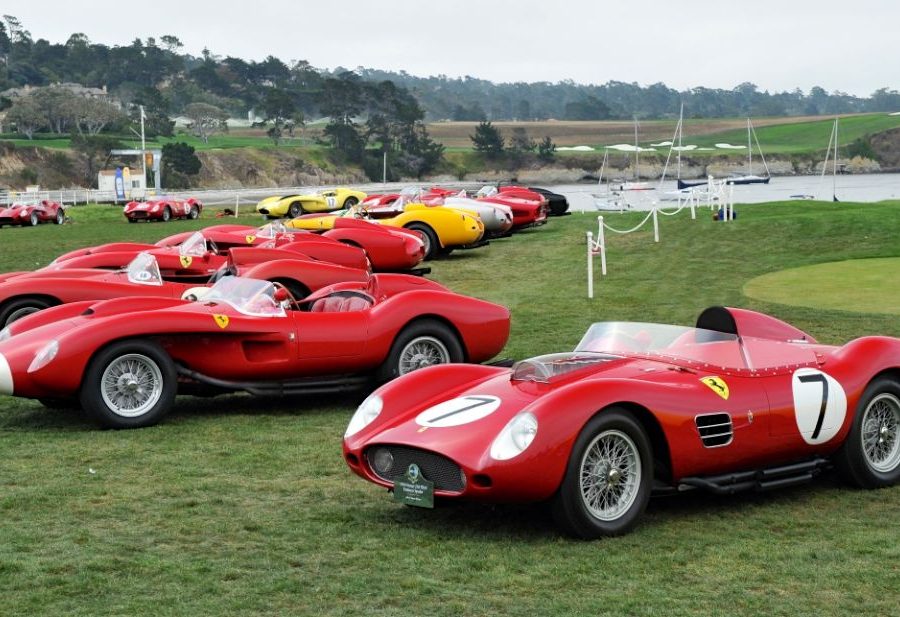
(446, 475)
(715, 429)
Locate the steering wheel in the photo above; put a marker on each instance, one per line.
(211, 246)
(284, 297)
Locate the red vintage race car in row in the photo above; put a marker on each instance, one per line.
(124, 360)
(743, 401)
(198, 255)
(44, 211)
(167, 275)
(389, 249)
(163, 209)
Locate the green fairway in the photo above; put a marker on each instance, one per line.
(237, 505)
(860, 285)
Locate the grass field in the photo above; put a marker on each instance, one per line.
(243, 506)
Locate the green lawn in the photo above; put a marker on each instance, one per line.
(243, 506)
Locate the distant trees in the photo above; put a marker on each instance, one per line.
(205, 120)
(487, 140)
(179, 162)
(57, 110)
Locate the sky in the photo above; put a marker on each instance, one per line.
(846, 46)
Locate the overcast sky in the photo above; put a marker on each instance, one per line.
(778, 45)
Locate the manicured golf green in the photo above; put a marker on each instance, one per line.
(859, 285)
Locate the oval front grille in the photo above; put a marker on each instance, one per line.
(445, 474)
(715, 429)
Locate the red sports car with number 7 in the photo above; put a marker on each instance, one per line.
(741, 402)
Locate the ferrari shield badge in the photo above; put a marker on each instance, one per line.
(186, 260)
(221, 321)
(717, 385)
(413, 489)
(250, 239)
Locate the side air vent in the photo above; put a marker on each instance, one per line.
(715, 429)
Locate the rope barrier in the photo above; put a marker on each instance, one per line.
(639, 225)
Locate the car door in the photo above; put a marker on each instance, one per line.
(332, 342)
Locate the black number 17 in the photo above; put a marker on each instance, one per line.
(821, 378)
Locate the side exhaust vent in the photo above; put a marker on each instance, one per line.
(715, 429)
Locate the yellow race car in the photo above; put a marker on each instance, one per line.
(322, 201)
(443, 229)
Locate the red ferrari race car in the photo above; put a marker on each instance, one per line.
(741, 402)
(163, 209)
(24, 293)
(389, 249)
(197, 254)
(527, 211)
(557, 204)
(45, 211)
(124, 360)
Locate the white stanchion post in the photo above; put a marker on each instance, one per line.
(655, 226)
(730, 202)
(691, 204)
(602, 240)
(590, 264)
(237, 205)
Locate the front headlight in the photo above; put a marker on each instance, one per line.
(364, 415)
(5, 333)
(43, 357)
(515, 437)
(23, 213)
(155, 208)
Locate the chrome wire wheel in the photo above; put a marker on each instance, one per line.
(610, 475)
(420, 352)
(22, 312)
(880, 433)
(131, 385)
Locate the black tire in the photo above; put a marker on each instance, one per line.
(34, 219)
(628, 490)
(126, 361)
(350, 202)
(295, 210)
(132, 220)
(60, 217)
(167, 214)
(17, 309)
(432, 246)
(194, 213)
(870, 456)
(421, 344)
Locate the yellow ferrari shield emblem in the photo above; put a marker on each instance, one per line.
(717, 385)
(250, 239)
(221, 321)
(186, 261)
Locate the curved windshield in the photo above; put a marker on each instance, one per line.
(195, 245)
(248, 296)
(270, 230)
(412, 192)
(607, 341)
(143, 270)
(487, 191)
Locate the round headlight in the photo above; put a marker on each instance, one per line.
(5, 333)
(43, 357)
(382, 461)
(364, 415)
(515, 437)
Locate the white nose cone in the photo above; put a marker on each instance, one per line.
(6, 381)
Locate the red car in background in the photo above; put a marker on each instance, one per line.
(743, 401)
(44, 211)
(24, 293)
(163, 209)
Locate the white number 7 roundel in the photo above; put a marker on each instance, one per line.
(820, 405)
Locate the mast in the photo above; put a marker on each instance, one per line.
(680, 129)
(636, 150)
(749, 150)
(834, 166)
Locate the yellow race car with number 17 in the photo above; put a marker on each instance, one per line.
(443, 229)
(322, 201)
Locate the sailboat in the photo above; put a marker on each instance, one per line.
(636, 185)
(749, 177)
(834, 171)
